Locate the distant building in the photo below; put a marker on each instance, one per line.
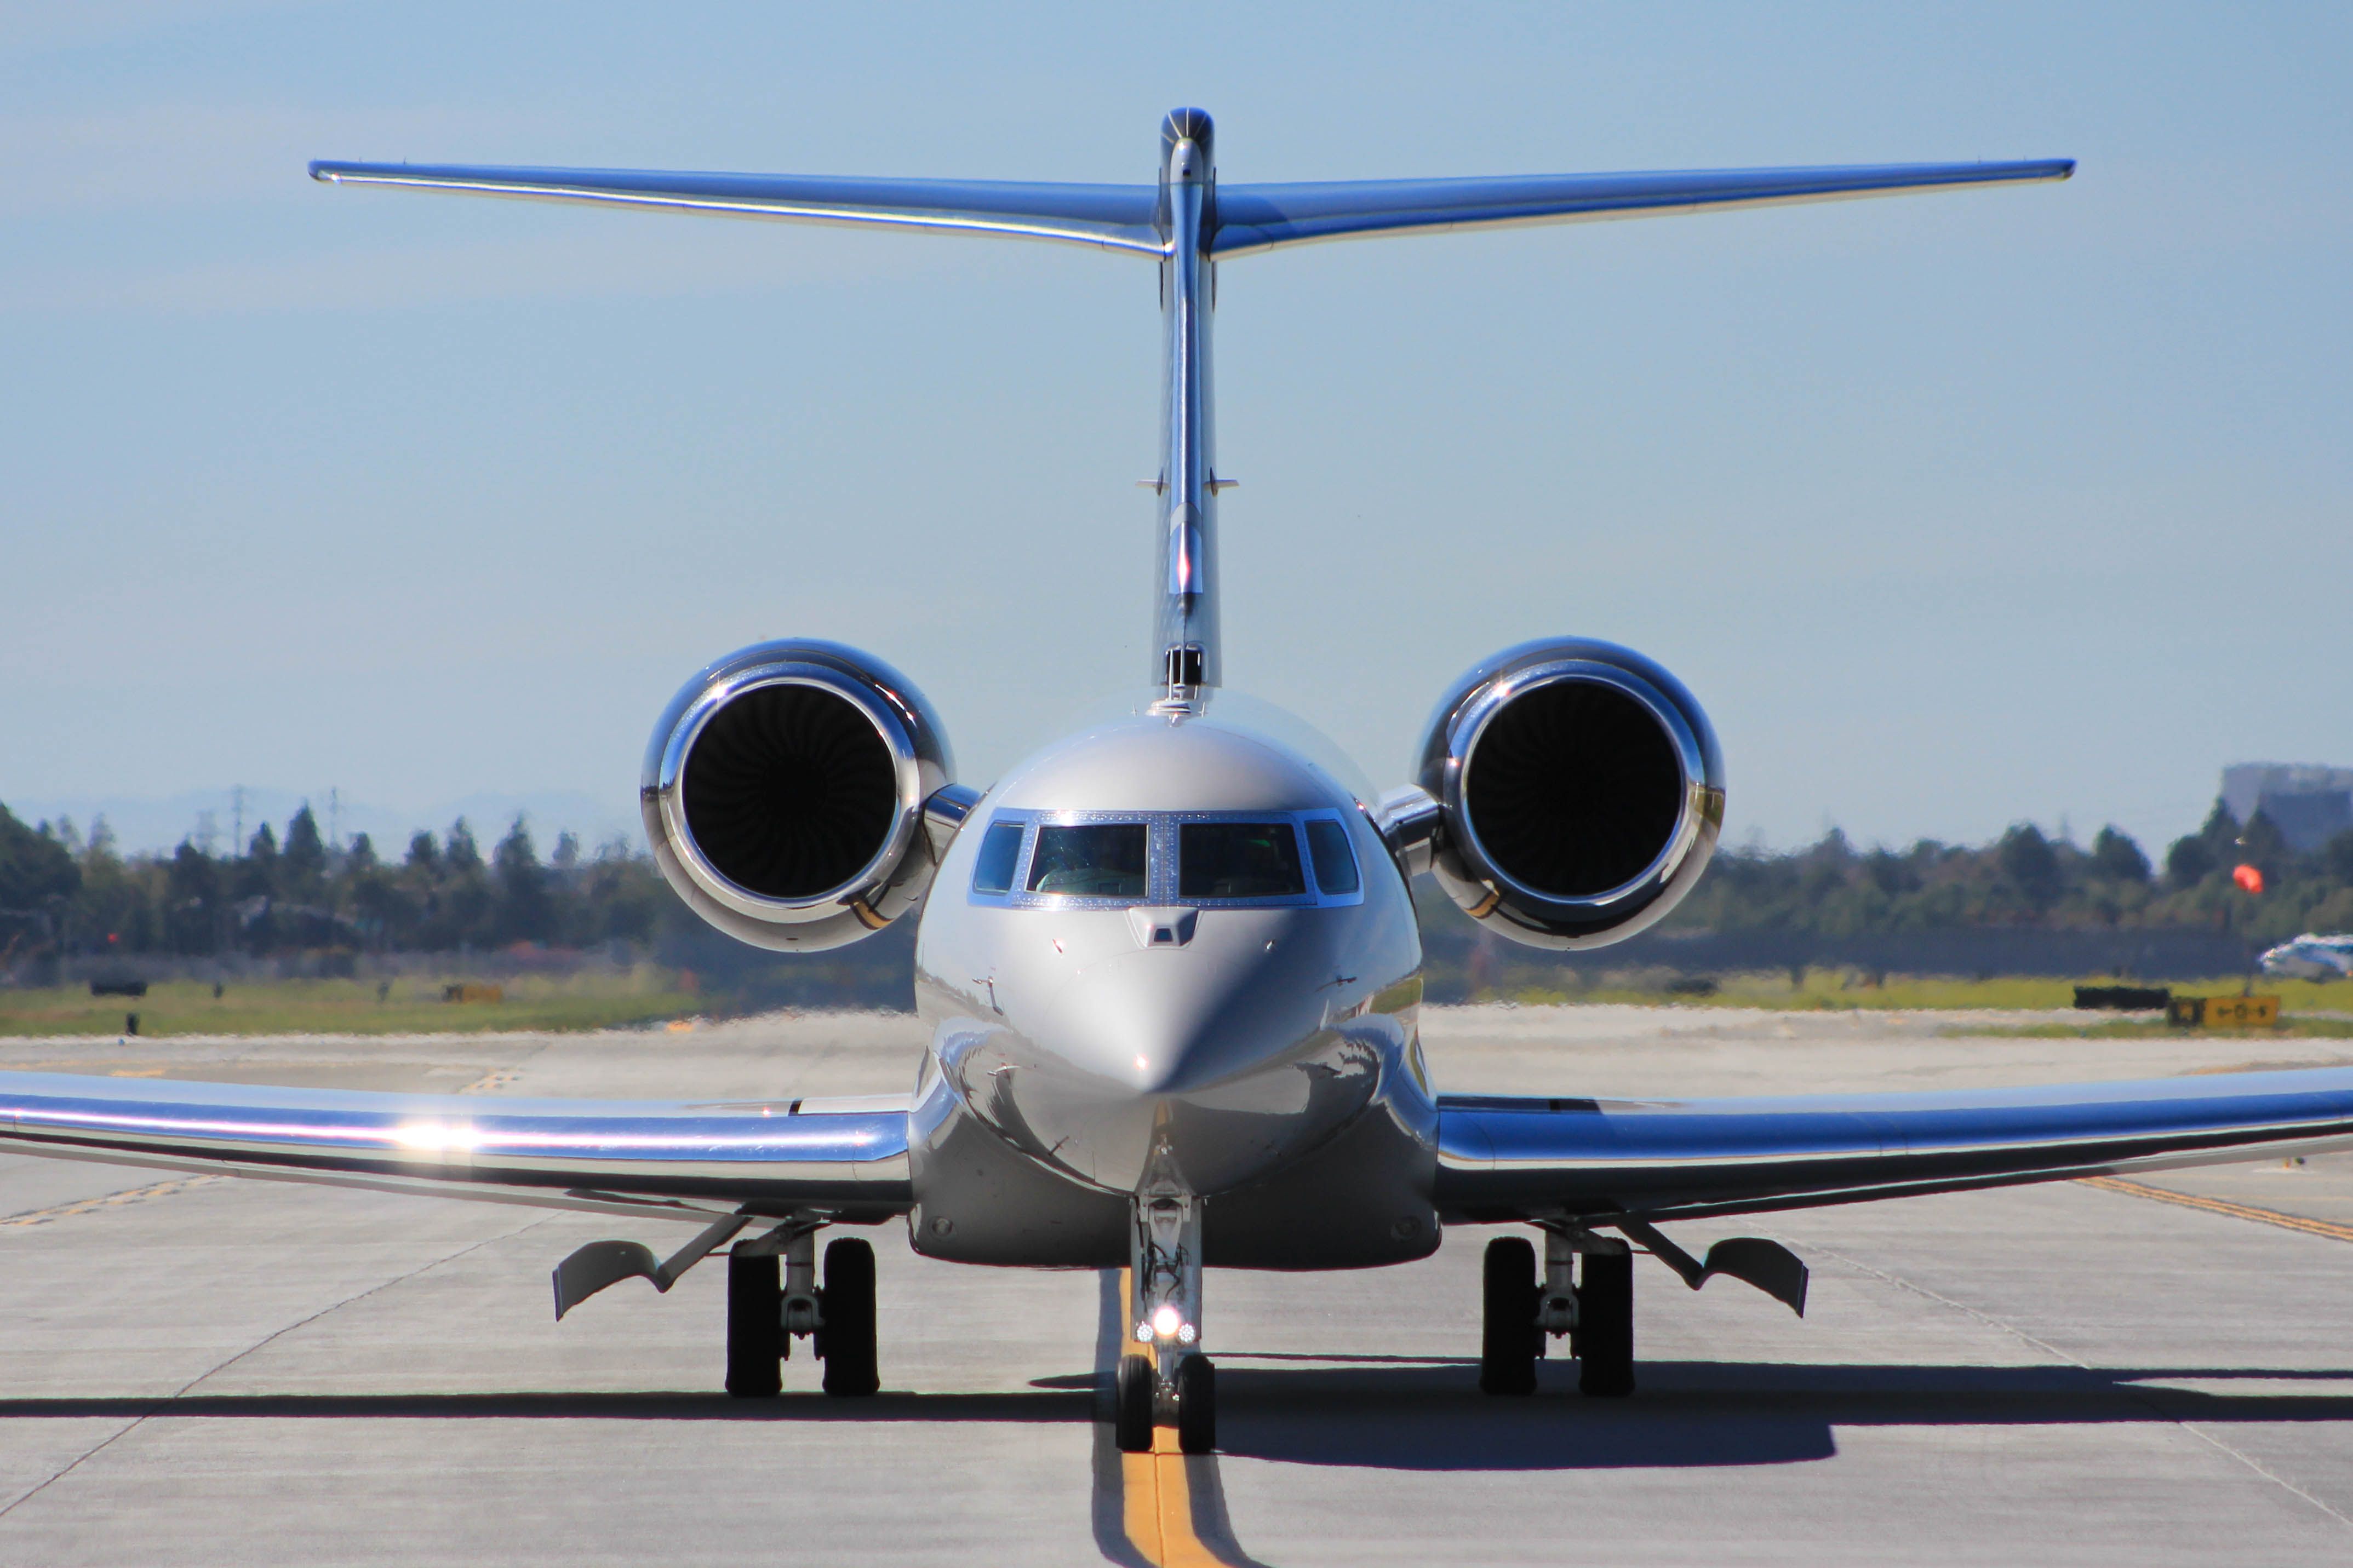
(2308, 804)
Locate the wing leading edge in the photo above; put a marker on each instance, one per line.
(1504, 1158)
(687, 1160)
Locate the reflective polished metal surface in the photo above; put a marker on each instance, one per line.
(892, 873)
(1512, 904)
(1209, 1061)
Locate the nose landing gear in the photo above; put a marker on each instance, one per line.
(767, 1309)
(1162, 1372)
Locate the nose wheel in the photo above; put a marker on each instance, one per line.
(1134, 1395)
(1136, 1401)
(773, 1297)
(1197, 1405)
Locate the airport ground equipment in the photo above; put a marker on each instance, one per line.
(1170, 963)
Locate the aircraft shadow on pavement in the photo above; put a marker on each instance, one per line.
(1689, 1413)
(1393, 1413)
(652, 1405)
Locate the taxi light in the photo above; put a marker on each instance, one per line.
(1165, 1321)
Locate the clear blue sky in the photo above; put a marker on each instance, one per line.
(1955, 510)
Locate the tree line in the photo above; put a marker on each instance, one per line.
(66, 893)
(2027, 877)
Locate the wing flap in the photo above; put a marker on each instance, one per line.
(1505, 1159)
(1118, 217)
(686, 1159)
(1252, 218)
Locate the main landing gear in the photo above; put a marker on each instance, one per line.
(1520, 1310)
(768, 1307)
(1162, 1372)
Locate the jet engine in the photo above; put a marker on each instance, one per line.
(784, 794)
(1570, 794)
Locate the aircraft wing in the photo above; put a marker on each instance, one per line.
(684, 1160)
(1252, 218)
(1117, 217)
(1505, 1158)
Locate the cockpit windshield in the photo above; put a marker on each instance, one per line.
(1029, 860)
(1093, 859)
(1237, 861)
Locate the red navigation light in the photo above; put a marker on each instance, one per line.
(2248, 877)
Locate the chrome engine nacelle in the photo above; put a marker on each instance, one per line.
(784, 794)
(1569, 794)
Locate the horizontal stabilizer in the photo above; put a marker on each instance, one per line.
(1119, 217)
(1238, 220)
(1260, 217)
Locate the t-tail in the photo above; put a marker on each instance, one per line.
(1188, 223)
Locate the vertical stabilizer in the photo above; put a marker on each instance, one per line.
(1186, 654)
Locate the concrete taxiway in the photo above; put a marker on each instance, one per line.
(214, 1371)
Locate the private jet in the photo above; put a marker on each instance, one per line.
(1170, 966)
(2312, 957)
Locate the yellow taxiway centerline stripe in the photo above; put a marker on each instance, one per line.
(1155, 1493)
(2223, 1206)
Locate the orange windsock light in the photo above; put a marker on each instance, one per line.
(2250, 878)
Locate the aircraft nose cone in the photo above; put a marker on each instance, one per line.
(1213, 1055)
(1175, 1022)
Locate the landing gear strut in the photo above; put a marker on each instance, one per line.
(1162, 1371)
(1520, 1310)
(768, 1307)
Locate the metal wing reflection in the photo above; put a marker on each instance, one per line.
(691, 1160)
(1505, 1158)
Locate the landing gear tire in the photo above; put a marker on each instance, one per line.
(756, 1327)
(846, 1305)
(1131, 1404)
(1509, 1338)
(1197, 1405)
(1605, 1325)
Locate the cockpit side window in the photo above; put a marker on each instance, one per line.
(1000, 852)
(1237, 861)
(1093, 860)
(1335, 862)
